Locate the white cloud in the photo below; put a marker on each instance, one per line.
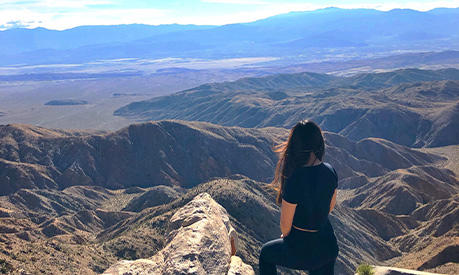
(23, 15)
(238, 2)
(37, 4)
(61, 21)
(15, 24)
(108, 17)
(245, 16)
(72, 3)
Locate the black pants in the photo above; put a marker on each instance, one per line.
(277, 252)
(315, 252)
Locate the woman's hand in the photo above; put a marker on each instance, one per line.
(333, 201)
(286, 220)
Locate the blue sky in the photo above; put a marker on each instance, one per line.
(64, 14)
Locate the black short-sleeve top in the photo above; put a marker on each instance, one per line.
(311, 188)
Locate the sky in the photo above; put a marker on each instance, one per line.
(65, 14)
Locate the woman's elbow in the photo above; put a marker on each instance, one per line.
(285, 229)
(331, 208)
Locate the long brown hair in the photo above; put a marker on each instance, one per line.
(305, 137)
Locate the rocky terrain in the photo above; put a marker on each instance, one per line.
(200, 241)
(156, 153)
(412, 107)
(397, 205)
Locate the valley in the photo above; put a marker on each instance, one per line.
(109, 85)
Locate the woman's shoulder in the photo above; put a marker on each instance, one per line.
(312, 170)
(331, 169)
(334, 175)
(323, 167)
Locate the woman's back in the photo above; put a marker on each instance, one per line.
(312, 189)
(306, 191)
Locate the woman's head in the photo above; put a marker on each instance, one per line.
(305, 138)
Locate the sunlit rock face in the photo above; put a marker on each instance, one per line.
(198, 242)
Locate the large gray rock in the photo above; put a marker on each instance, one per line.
(385, 270)
(238, 267)
(198, 242)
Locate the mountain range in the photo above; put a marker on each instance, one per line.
(65, 208)
(311, 33)
(411, 107)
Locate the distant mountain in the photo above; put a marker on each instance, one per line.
(293, 34)
(13, 41)
(411, 107)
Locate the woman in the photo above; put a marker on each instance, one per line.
(307, 194)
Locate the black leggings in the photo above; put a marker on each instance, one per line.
(278, 252)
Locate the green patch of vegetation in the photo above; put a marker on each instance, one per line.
(5, 267)
(365, 269)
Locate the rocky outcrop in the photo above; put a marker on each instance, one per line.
(237, 267)
(199, 239)
(384, 270)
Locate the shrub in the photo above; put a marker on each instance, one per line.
(365, 269)
(5, 267)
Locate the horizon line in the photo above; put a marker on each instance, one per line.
(3, 28)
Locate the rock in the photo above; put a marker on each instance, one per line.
(4, 213)
(384, 270)
(237, 267)
(198, 242)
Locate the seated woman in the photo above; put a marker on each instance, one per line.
(307, 194)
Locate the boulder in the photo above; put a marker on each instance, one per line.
(199, 241)
(385, 270)
(238, 267)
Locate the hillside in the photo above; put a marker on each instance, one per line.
(88, 228)
(173, 153)
(411, 107)
(157, 153)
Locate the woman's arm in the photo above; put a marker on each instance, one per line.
(287, 213)
(333, 201)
